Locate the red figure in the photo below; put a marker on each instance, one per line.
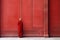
(20, 28)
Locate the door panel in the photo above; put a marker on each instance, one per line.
(34, 18)
(9, 17)
(34, 15)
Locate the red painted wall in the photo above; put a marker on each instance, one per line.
(9, 17)
(54, 19)
(33, 14)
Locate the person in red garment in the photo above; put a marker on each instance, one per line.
(20, 28)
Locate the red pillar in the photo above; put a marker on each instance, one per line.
(54, 17)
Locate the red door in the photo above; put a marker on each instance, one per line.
(34, 17)
(33, 13)
(9, 17)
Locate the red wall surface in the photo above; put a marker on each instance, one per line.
(34, 17)
(54, 19)
(9, 17)
(33, 14)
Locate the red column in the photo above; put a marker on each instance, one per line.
(54, 17)
(0, 18)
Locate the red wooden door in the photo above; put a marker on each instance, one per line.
(34, 17)
(33, 13)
